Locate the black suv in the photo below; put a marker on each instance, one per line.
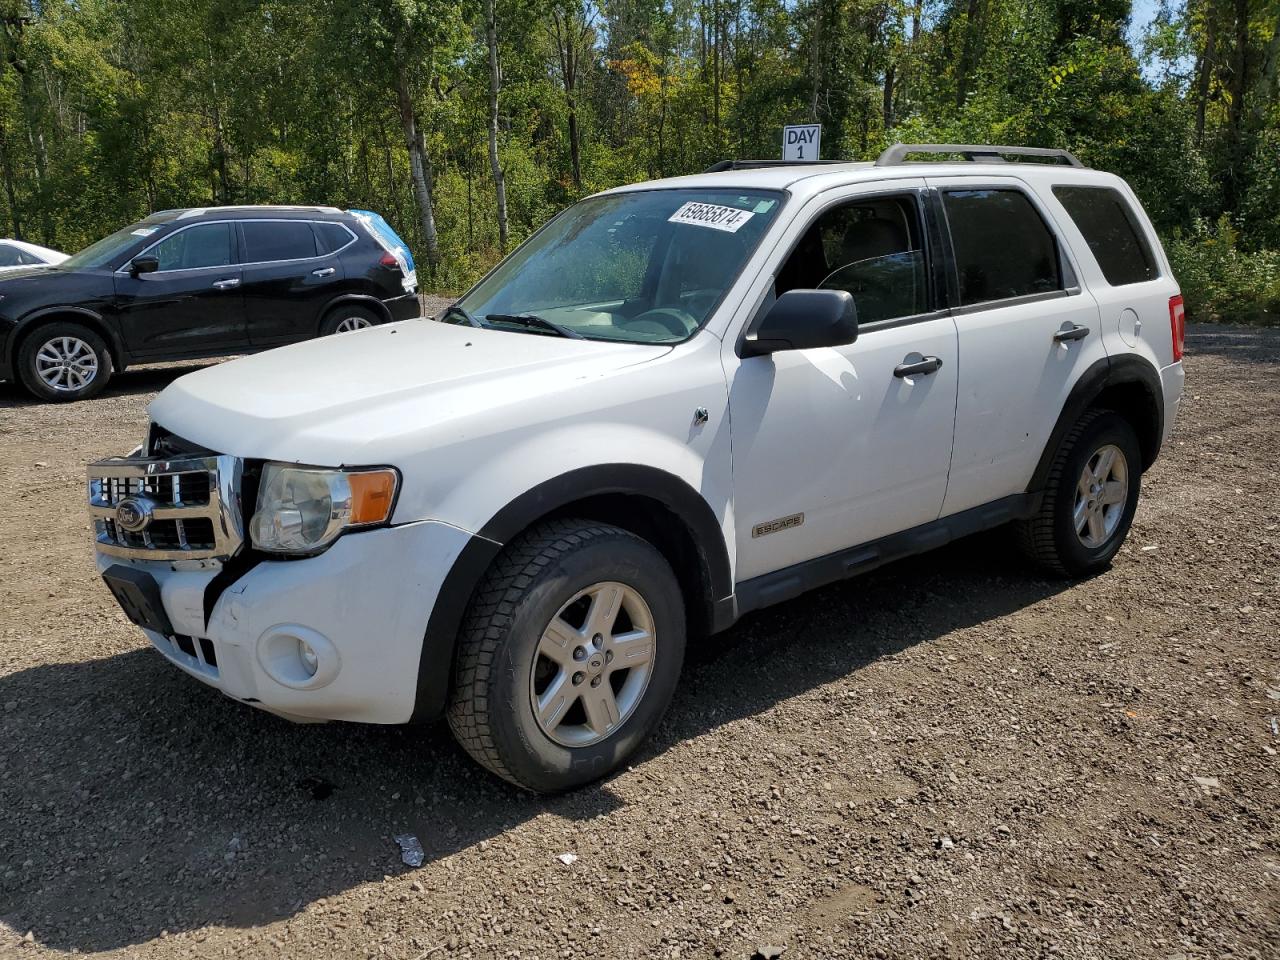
(200, 283)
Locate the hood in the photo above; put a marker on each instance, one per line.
(348, 398)
(25, 270)
(15, 275)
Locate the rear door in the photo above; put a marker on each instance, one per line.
(290, 275)
(1027, 331)
(192, 304)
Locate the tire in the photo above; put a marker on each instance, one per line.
(345, 317)
(529, 594)
(1051, 538)
(85, 369)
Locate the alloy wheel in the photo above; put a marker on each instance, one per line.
(66, 364)
(347, 324)
(1101, 494)
(592, 664)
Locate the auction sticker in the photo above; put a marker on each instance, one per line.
(728, 219)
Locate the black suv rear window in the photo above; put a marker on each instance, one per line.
(1112, 232)
(1003, 248)
(267, 240)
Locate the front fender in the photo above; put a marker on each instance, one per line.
(439, 643)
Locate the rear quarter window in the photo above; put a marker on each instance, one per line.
(1110, 228)
(333, 236)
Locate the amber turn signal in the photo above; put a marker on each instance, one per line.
(372, 494)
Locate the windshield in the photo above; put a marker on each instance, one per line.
(644, 267)
(106, 251)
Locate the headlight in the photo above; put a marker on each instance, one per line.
(304, 509)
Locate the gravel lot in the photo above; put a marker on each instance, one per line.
(950, 757)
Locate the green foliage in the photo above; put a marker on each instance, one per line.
(110, 109)
(1222, 282)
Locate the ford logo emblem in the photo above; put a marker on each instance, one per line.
(134, 514)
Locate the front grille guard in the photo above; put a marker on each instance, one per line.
(215, 482)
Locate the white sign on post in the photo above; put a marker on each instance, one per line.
(801, 143)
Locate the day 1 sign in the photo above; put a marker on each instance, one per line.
(802, 142)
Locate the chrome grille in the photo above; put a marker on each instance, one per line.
(191, 507)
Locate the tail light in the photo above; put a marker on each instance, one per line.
(1177, 325)
(388, 260)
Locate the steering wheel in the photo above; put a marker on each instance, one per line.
(671, 319)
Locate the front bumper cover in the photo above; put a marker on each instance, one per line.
(362, 605)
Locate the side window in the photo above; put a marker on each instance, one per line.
(1002, 246)
(10, 256)
(871, 248)
(333, 236)
(1112, 232)
(267, 240)
(204, 245)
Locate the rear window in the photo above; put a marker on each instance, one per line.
(1112, 232)
(1002, 246)
(267, 240)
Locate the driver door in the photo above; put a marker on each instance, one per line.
(193, 304)
(834, 447)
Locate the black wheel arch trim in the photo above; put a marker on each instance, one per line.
(1101, 375)
(360, 299)
(439, 646)
(52, 314)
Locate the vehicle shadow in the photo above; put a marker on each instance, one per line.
(151, 378)
(1256, 344)
(134, 800)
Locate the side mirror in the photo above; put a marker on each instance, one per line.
(146, 264)
(802, 319)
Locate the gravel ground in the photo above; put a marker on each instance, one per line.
(950, 757)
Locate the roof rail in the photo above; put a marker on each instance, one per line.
(989, 153)
(293, 208)
(721, 165)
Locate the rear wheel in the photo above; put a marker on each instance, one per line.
(64, 361)
(345, 318)
(569, 655)
(1090, 497)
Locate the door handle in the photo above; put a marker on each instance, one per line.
(323, 272)
(1076, 332)
(926, 366)
(229, 284)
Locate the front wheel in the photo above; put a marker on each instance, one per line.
(1089, 499)
(569, 655)
(64, 361)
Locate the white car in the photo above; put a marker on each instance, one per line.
(676, 403)
(15, 254)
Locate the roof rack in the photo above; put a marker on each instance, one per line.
(721, 165)
(183, 214)
(987, 153)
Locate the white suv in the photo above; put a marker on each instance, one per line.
(676, 403)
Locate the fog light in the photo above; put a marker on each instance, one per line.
(298, 657)
(310, 661)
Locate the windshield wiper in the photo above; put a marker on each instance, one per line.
(462, 312)
(533, 321)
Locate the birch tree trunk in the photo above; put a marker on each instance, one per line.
(419, 170)
(495, 83)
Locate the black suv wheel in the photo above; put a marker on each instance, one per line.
(64, 361)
